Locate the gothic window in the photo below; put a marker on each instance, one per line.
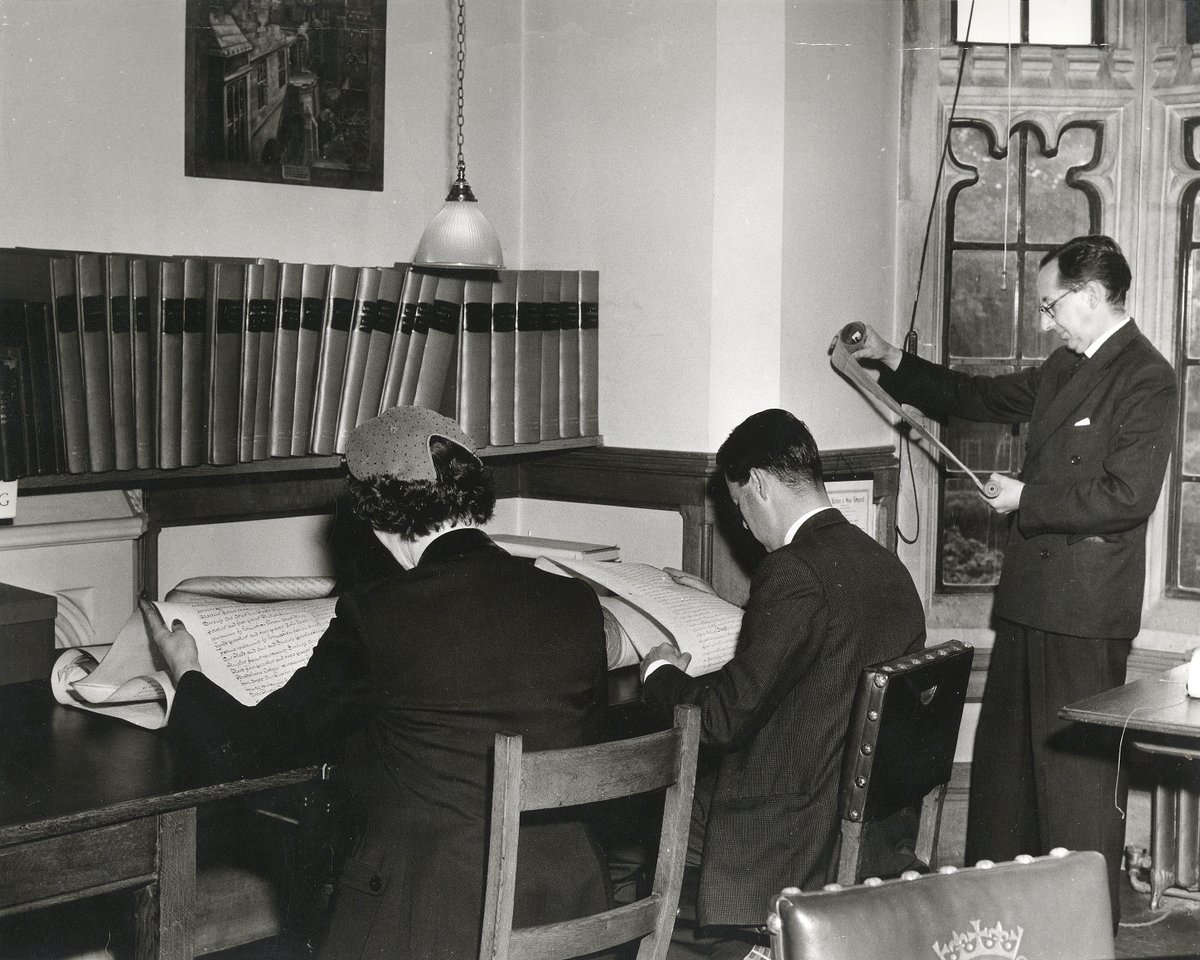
(1010, 204)
(1049, 22)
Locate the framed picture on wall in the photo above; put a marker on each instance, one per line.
(286, 91)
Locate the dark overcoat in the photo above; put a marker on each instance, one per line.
(406, 690)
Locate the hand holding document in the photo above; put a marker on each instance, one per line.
(248, 649)
(650, 608)
(848, 341)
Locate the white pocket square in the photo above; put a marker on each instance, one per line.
(1085, 422)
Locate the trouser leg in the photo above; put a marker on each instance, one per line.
(1002, 818)
(1081, 802)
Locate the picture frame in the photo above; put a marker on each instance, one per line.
(286, 91)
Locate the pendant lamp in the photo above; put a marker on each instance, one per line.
(460, 236)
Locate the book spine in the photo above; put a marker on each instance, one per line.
(503, 360)
(440, 341)
(192, 392)
(308, 342)
(14, 460)
(416, 342)
(589, 353)
(379, 344)
(551, 337)
(474, 371)
(227, 292)
(362, 325)
(331, 367)
(70, 364)
(568, 354)
(527, 386)
(393, 378)
(283, 367)
(120, 357)
(171, 306)
(45, 435)
(263, 314)
(97, 389)
(144, 362)
(252, 334)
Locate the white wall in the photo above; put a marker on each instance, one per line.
(697, 152)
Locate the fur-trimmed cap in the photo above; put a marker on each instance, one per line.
(396, 444)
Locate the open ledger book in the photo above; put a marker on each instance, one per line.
(647, 608)
(248, 649)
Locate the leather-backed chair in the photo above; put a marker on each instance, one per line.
(899, 752)
(1040, 908)
(583, 775)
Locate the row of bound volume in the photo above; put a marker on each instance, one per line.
(113, 361)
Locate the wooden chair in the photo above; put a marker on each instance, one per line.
(900, 749)
(1041, 908)
(564, 778)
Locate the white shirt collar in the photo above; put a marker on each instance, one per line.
(1100, 340)
(799, 523)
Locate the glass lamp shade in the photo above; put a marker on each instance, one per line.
(460, 236)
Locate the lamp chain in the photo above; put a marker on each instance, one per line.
(462, 39)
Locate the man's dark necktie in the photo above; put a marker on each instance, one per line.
(1079, 362)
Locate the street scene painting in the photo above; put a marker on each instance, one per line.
(286, 91)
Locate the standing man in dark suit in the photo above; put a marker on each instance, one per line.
(1101, 412)
(826, 602)
(406, 690)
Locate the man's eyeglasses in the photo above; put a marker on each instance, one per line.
(1047, 309)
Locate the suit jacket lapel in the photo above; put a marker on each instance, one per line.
(1072, 390)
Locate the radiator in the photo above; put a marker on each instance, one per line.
(1175, 842)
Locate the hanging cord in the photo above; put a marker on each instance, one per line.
(1007, 160)
(910, 336)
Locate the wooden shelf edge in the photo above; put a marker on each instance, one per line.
(308, 466)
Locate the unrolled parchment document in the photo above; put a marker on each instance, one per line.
(248, 649)
(844, 362)
(649, 608)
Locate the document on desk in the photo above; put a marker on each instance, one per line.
(652, 608)
(248, 649)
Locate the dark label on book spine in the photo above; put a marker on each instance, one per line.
(504, 317)
(229, 316)
(193, 315)
(385, 316)
(289, 313)
(341, 313)
(172, 316)
(589, 316)
(312, 312)
(260, 316)
(95, 320)
(444, 316)
(141, 314)
(568, 316)
(421, 318)
(529, 317)
(119, 314)
(368, 313)
(477, 317)
(409, 318)
(66, 315)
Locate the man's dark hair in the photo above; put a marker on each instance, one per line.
(775, 441)
(463, 493)
(1094, 257)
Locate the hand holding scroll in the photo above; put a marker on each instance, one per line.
(177, 646)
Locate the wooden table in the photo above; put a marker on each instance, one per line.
(1162, 720)
(90, 805)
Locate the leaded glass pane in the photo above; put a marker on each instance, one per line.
(990, 21)
(1036, 344)
(979, 208)
(982, 304)
(1190, 455)
(983, 447)
(1060, 22)
(973, 537)
(1053, 210)
(1189, 536)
